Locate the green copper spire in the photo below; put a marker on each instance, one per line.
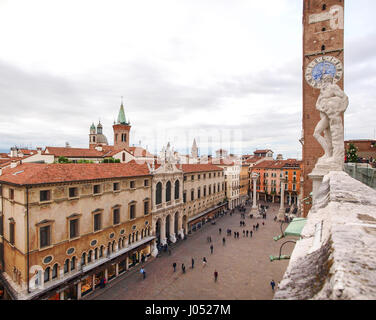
(121, 117)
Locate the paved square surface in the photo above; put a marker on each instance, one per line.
(243, 266)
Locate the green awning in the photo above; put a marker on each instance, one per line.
(295, 227)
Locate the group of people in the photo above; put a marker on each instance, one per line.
(204, 263)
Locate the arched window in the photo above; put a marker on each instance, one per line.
(96, 254)
(66, 266)
(73, 263)
(130, 239)
(101, 252)
(168, 191)
(54, 271)
(177, 185)
(120, 244)
(109, 248)
(47, 274)
(113, 246)
(158, 193)
(137, 236)
(89, 256)
(123, 156)
(83, 259)
(323, 48)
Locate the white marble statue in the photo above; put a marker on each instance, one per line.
(332, 104)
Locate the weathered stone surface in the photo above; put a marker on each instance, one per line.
(343, 264)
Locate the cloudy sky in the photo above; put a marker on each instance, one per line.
(226, 72)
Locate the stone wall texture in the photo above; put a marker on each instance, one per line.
(341, 263)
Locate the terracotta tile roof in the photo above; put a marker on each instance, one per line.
(262, 151)
(140, 152)
(34, 173)
(74, 152)
(222, 162)
(4, 155)
(190, 168)
(277, 164)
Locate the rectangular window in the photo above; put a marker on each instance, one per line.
(215, 174)
(132, 211)
(146, 183)
(192, 195)
(204, 191)
(116, 217)
(198, 177)
(132, 184)
(146, 208)
(73, 192)
(184, 197)
(97, 222)
(116, 186)
(185, 178)
(192, 177)
(294, 187)
(11, 194)
(198, 194)
(73, 228)
(45, 195)
(97, 189)
(11, 233)
(209, 175)
(45, 236)
(204, 175)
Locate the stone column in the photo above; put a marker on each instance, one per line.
(163, 231)
(79, 291)
(93, 282)
(255, 210)
(281, 212)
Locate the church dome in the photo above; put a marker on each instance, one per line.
(101, 138)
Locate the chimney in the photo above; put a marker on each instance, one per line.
(13, 164)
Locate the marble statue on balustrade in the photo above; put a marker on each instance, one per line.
(332, 104)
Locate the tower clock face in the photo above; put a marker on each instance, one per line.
(322, 66)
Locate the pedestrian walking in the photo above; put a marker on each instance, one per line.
(142, 271)
(215, 275)
(193, 263)
(211, 249)
(174, 266)
(251, 232)
(224, 241)
(220, 230)
(263, 223)
(247, 233)
(183, 267)
(204, 262)
(272, 284)
(243, 233)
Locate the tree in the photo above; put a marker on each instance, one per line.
(63, 160)
(351, 154)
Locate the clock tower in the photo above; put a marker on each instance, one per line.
(323, 43)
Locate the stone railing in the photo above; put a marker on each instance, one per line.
(336, 256)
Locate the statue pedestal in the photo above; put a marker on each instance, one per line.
(281, 214)
(317, 175)
(172, 238)
(256, 213)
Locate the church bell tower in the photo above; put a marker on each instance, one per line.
(323, 54)
(121, 129)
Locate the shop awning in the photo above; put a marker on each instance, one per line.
(293, 229)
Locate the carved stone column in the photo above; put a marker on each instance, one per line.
(163, 231)
(172, 229)
(281, 212)
(255, 210)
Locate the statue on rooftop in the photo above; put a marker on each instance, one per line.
(332, 104)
